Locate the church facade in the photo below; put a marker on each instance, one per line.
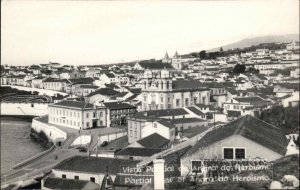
(160, 91)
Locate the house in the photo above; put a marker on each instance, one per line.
(267, 66)
(74, 85)
(54, 65)
(85, 89)
(108, 78)
(259, 79)
(55, 84)
(37, 82)
(159, 91)
(117, 112)
(21, 80)
(244, 138)
(218, 91)
(290, 100)
(36, 69)
(136, 153)
(94, 169)
(178, 61)
(77, 114)
(293, 46)
(154, 141)
(236, 106)
(100, 95)
(283, 89)
(231, 93)
(295, 73)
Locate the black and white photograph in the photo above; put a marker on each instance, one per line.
(150, 95)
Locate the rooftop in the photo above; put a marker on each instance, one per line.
(133, 151)
(73, 104)
(188, 85)
(152, 64)
(232, 91)
(89, 86)
(195, 110)
(167, 123)
(59, 183)
(249, 127)
(118, 105)
(163, 113)
(256, 101)
(186, 120)
(95, 164)
(154, 141)
(104, 91)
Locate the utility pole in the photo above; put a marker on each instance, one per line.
(182, 129)
(97, 146)
(214, 116)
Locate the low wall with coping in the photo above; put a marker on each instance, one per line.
(111, 136)
(40, 91)
(51, 132)
(33, 158)
(26, 109)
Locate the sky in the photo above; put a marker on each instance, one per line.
(103, 32)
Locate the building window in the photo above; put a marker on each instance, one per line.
(130, 133)
(76, 177)
(92, 179)
(228, 153)
(100, 114)
(64, 176)
(239, 153)
(87, 115)
(186, 102)
(177, 102)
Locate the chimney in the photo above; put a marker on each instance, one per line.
(159, 174)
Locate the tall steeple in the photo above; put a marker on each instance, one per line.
(176, 55)
(166, 56)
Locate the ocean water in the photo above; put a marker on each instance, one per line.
(16, 144)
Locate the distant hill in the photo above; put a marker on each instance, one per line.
(258, 40)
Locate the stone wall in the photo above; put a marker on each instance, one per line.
(54, 134)
(25, 109)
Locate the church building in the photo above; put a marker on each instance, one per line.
(160, 91)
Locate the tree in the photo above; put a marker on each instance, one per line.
(221, 49)
(252, 70)
(238, 68)
(202, 54)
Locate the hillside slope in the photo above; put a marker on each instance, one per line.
(258, 40)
